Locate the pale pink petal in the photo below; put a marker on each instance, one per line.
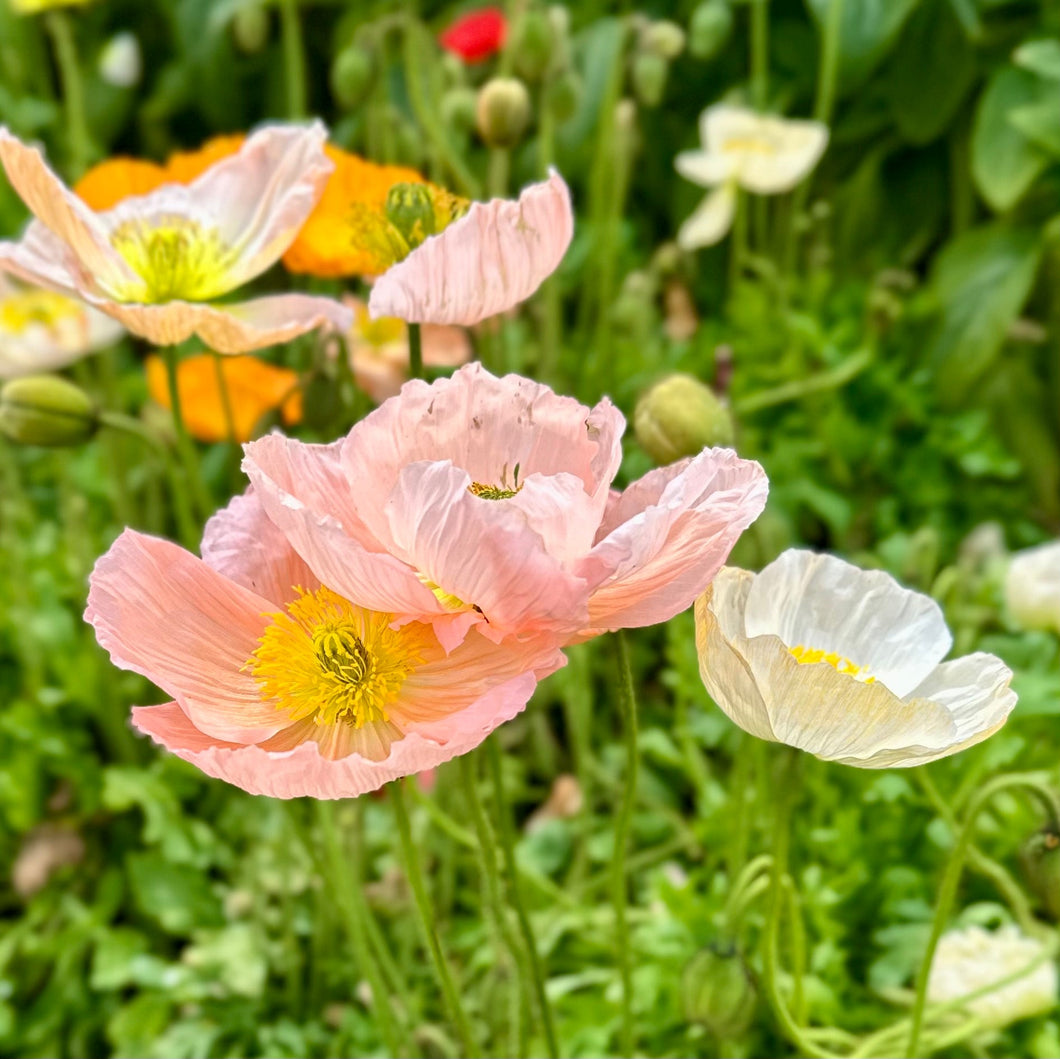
(163, 613)
(42, 258)
(303, 771)
(668, 535)
(307, 495)
(490, 260)
(62, 211)
(242, 543)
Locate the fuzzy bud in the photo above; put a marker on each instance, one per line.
(458, 108)
(709, 29)
(680, 416)
(352, 74)
(502, 112)
(531, 45)
(648, 74)
(717, 993)
(563, 95)
(46, 410)
(250, 28)
(1040, 858)
(664, 38)
(120, 62)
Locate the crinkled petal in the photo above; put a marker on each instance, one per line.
(668, 535)
(163, 613)
(42, 258)
(487, 262)
(711, 220)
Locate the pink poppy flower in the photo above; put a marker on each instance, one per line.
(159, 262)
(477, 35)
(489, 499)
(281, 685)
(491, 259)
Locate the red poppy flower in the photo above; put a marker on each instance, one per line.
(477, 35)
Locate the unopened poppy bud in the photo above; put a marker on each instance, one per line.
(120, 62)
(410, 209)
(531, 45)
(664, 38)
(680, 416)
(717, 993)
(352, 74)
(649, 73)
(458, 108)
(250, 28)
(503, 111)
(1040, 858)
(46, 410)
(563, 95)
(709, 29)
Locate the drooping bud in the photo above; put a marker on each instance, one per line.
(648, 74)
(531, 45)
(710, 28)
(563, 95)
(680, 416)
(46, 410)
(250, 28)
(664, 38)
(502, 112)
(121, 63)
(1040, 858)
(717, 992)
(352, 74)
(458, 108)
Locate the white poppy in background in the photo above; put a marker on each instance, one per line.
(844, 663)
(1032, 587)
(742, 149)
(121, 63)
(159, 262)
(41, 330)
(973, 959)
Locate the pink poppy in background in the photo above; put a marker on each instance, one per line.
(489, 500)
(280, 684)
(158, 262)
(486, 262)
(477, 35)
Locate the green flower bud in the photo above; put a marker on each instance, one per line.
(718, 993)
(410, 209)
(502, 112)
(458, 108)
(563, 96)
(1041, 866)
(352, 74)
(680, 416)
(46, 410)
(250, 28)
(532, 45)
(648, 74)
(709, 29)
(664, 38)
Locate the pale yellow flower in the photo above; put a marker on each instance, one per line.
(1032, 587)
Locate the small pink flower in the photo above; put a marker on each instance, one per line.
(489, 500)
(159, 262)
(283, 686)
(487, 262)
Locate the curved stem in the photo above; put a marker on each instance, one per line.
(415, 352)
(185, 447)
(426, 913)
(293, 59)
(628, 706)
(79, 142)
(516, 891)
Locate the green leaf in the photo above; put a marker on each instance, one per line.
(981, 281)
(177, 896)
(1040, 122)
(1041, 57)
(1004, 161)
(868, 30)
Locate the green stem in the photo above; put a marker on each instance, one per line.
(293, 59)
(79, 141)
(760, 53)
(427, 922)
(193, 482)
(828, 67)
(415, 352)
(628, 706)
(738, 243)
(499, 172)
(515, 891)
(952, 876)
(226, 398)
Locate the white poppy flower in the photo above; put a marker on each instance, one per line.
(742, 149)
(1032, 587)
(973, 959)
(843, 663)
(41, 330)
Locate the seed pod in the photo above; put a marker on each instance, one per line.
(502, 112)
(680, 416)
(46, 410)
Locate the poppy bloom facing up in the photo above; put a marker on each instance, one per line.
(844, 663)
(489, 501)
(41, 330)
(283, 686)
(477, 35)
(158, 262)
(254, 387)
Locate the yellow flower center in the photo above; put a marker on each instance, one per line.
(25, 308)
(808, 655)
(749, 145)
(175, 257)
(326, 658)
(378, 333)
(498, 492)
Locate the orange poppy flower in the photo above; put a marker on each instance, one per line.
(255, 388)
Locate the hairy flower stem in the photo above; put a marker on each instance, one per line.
(515, 891)
(78, 140)
(415, 352)
(293, 59)
(193, 482)
(628, 705)
(430, 929)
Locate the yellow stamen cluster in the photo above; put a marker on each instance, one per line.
(808, 655)
(328, 659)
(27, 307)
(498, 492)
(175, 257)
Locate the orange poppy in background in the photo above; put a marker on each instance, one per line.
(255, 388)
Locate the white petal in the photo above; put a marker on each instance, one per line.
(703, 167)
(710, 221)
(1032, 587)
